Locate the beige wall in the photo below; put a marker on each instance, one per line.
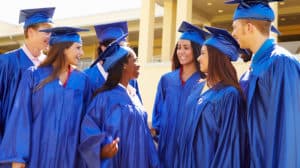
(89, 51)
(148, 80)
(241, 67)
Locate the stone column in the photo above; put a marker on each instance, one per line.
(146, 32)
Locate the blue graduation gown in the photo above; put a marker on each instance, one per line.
(44, 126)
(215, 133)
(187, 118)
(95, 76)
(12, 64)
(273, 93)
(97, 80)
(112, 114)
(169, 104)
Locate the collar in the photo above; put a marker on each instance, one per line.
(131, 92)
(102, 71)
(122, 86)
(35, 60)
(180, 73)
(260, 54)
(129, 89)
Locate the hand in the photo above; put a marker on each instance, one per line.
(110, 150)
(18, 165)
(153, 132)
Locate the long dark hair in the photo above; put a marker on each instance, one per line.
(196, 53)
(104, 43)
(246, 57)
(56, 58)
(114, 75)
(221, 68)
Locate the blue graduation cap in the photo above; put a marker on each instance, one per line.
(224, 42)
(250, 1)
(254, 9)
(112, 53)
(37, 15)
(64, 34)
(192, 33)
(111, 31)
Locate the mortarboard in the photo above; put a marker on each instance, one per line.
(250, 1)
(37, 15)
(224, 42)
(112, 53)
(64, 34)
(254, 9)
(192, 33)
(111, 31)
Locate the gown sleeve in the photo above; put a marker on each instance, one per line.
(3, 83)
(92, 136)
(15, 146)
(88, 96)
(158, 106)
(284, 115)
(231, 145)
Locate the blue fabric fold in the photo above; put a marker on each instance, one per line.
(214, 135)
(44, 125)
(112, 114)
(272, 90)
(169, 103)
(12, 65)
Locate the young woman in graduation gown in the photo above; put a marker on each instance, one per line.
(215, 133)
(44, 127)
(173, 90)
(116, 116)
(106, 34)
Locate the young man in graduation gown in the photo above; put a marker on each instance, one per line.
(271, 86)
(106, 34)
(13, 63)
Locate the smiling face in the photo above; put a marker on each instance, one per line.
(73, 54)
(185, 52)
(39, 40)
(131, 68)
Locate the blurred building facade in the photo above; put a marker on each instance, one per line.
(153, 33)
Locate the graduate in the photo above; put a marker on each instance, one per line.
(44, 127)
(215, 135)
(115, 116)
(13, 63)
(106, 34)
(271, 86)
(173, 90)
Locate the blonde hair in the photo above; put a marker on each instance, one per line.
(262, 26)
